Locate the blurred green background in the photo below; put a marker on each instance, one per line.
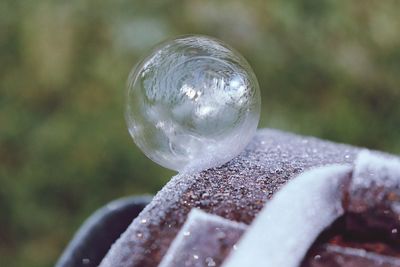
(329, 68)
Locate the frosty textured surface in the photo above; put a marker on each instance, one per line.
(371, 170)
(236, 191)
(193, 103)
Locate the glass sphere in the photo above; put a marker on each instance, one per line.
(192, 103)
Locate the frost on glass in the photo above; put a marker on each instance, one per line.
(193, 103)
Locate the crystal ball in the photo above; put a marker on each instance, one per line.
(192, 103)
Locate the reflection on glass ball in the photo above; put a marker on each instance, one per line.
(192, 104)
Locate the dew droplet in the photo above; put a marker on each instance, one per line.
(193, 103)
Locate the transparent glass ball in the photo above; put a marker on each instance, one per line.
(192, 103)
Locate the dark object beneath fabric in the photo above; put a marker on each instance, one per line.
(100, 231)
(336, 256)
(348, 242)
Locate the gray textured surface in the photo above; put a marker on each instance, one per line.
(236, 190)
